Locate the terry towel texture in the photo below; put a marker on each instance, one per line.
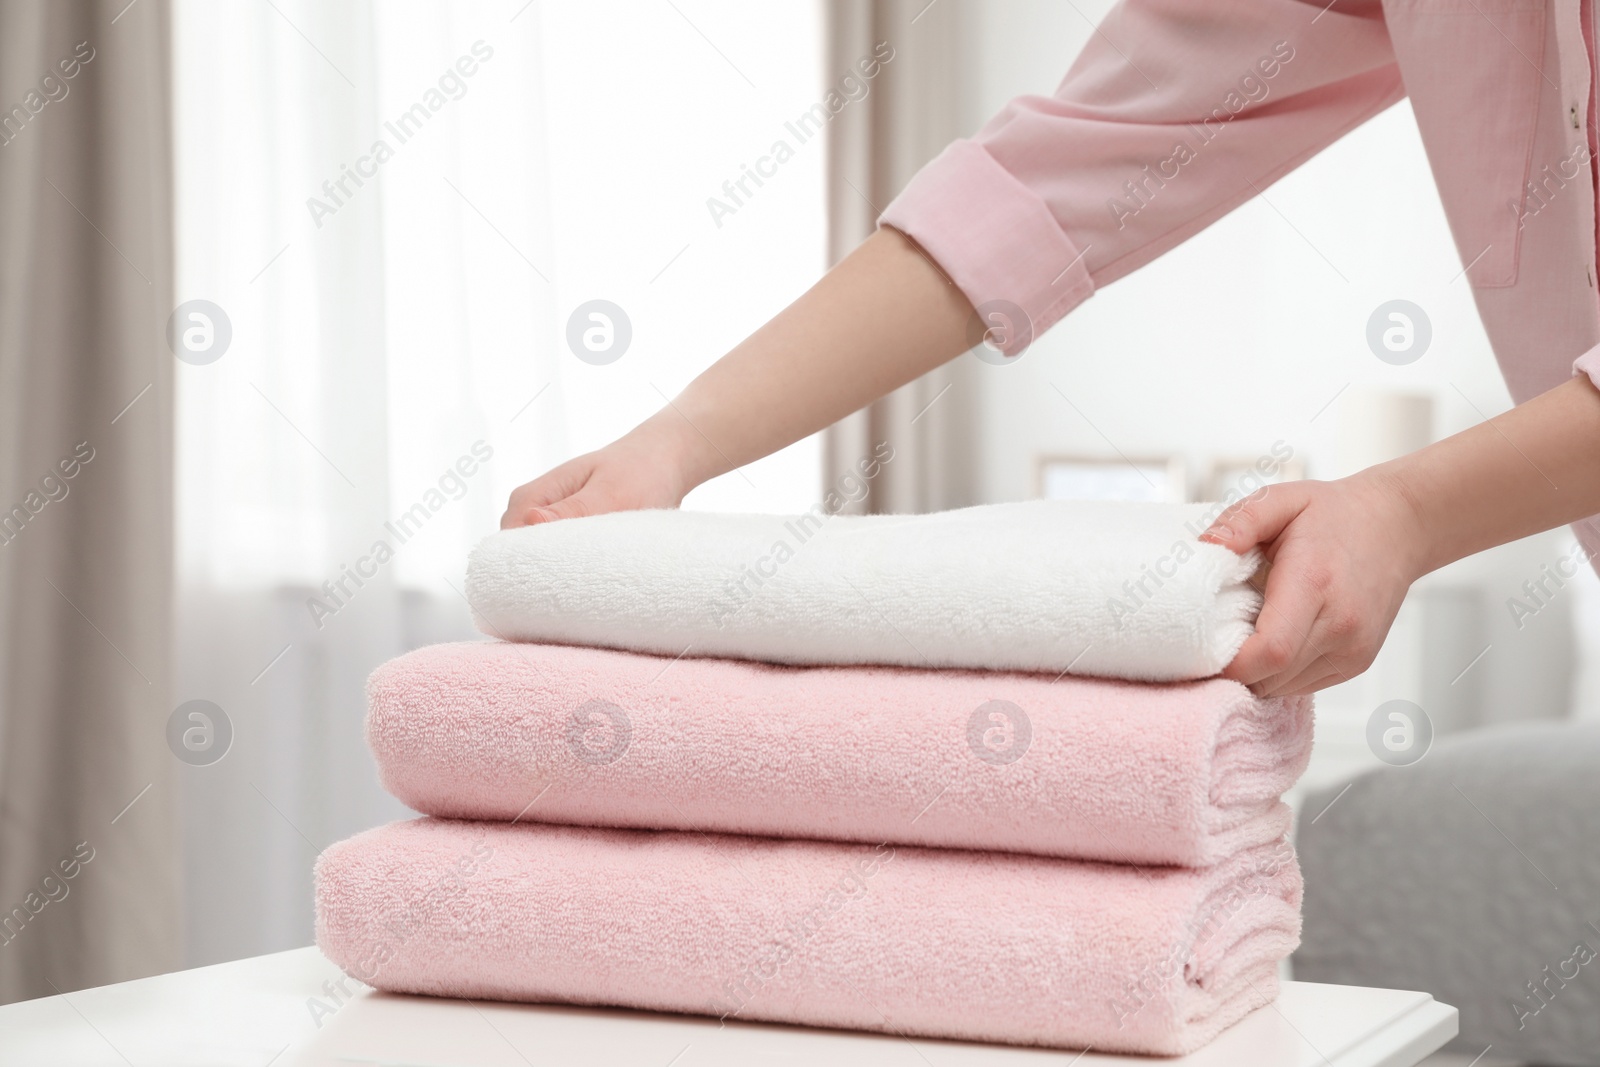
(1185, 773)
(923, 942)
(1108, 589)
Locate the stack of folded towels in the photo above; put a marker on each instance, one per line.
(967, 775)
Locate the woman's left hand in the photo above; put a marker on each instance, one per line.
(1342, 556)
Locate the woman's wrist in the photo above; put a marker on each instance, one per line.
(1413, 532)
(669, 437)
(879, 319)
(1524, 471)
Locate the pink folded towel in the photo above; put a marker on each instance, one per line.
(935, 943)
(1184, 773)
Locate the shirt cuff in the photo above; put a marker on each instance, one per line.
(996, 239)
(1588, 363)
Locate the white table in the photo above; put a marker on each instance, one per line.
(255, 1013)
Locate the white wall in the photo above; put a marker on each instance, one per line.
(1240, 338)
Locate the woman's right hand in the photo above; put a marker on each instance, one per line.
(643, 469)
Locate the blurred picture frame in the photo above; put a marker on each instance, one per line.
(1159, 479)
(1243, 475)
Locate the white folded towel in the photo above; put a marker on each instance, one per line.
(1110, 589)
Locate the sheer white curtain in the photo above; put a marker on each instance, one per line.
(397, 206)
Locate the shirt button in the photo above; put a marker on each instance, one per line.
(1574, 117)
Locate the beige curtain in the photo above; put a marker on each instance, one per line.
(88, 843)
(875, 146)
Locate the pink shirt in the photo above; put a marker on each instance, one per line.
(1178, 111)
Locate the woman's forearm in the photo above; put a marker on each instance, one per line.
(1529, 469)
(884, 316)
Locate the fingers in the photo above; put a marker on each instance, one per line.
(1315, 685)
(572, 507)
(1280, 649)
(1318, 674)
(541, 500)
(1259, 518)
(1328, 598)
(1281, 644)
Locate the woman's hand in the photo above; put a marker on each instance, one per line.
(644, 469)
(879, 319)
(1342, 556)
(1344, 553)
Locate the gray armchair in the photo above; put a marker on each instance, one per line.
(1474, 875)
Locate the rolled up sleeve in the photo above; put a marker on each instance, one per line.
(1174, 114)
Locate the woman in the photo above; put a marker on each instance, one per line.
(1174, 114)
